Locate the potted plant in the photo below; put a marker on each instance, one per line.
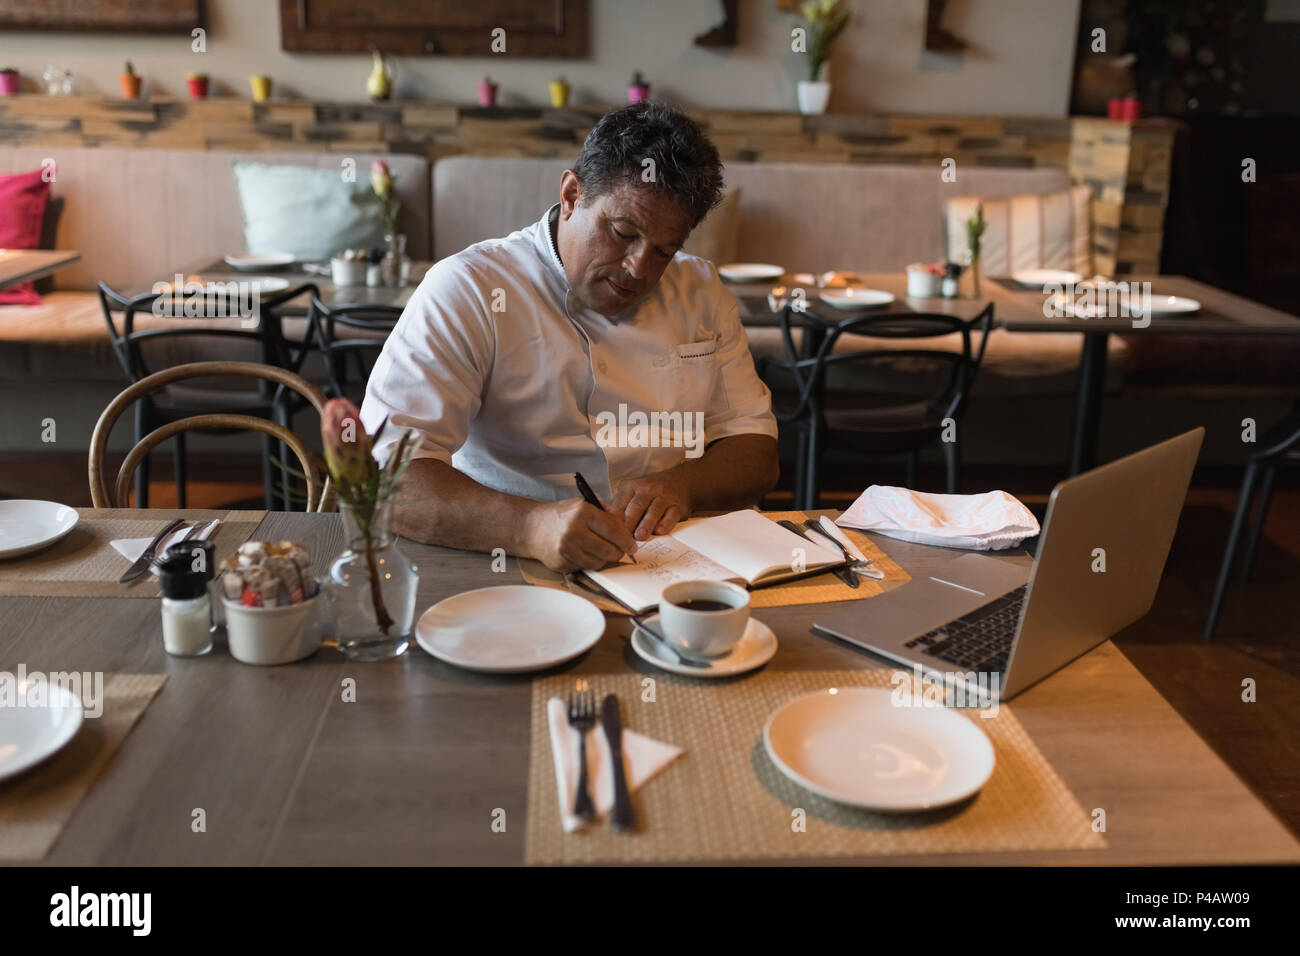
(9, 81)
(487, 93)
(826, 21)
(198, 85)
(638, 90)
(975, 226)
(261, 86)
(559, 88)
(130, 83)
(379, 85)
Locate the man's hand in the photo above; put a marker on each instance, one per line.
(567, 535)
(654, 504)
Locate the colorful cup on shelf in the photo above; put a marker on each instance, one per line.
(261, 86)
(197, 84)
(10, 81)
(638, 91)
(559, 88)
(487, 93)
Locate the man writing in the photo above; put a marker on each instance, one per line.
(513, 357)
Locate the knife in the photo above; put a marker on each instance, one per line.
(844, 574)
(623, 817)
(858, 565)
(142, 563)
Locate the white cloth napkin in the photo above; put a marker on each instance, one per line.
(642, 759)
(132, 548)
(987, 522)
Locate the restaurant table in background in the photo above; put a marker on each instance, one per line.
(24, 265)
(330, 294)
(416, 764)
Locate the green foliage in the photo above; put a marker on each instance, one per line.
(826, 21)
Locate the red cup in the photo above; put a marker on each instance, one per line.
(1131, 109)
(198, 86)
(1115, 108)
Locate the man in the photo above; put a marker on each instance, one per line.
(587, 342)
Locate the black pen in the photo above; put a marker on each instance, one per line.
(589, 496)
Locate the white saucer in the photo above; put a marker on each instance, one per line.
(855, 298)
(750, 272)
(510, 629)
(1037, 278)
(266, 284)
(29, 735)
(1173, 305)
(754, 649)
(30, 525)
(258, 261)
(855, 745)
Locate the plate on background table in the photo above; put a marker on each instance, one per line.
(855, 746)
(754, 649)
(259, 261)
(27, 526)
(1173, 305)
(30, 734)
(1037, 278)
(750, 272)
(510, 629)
(268, 284)
(855, 298)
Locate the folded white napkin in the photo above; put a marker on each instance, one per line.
(987, 522)
(642, 759)
(132, 548)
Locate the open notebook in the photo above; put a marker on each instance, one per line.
(742, 547)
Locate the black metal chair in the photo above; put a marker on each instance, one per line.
(892, 427)
(351, 332)
(1278, 446)
(182, 401)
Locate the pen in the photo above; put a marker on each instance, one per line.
(589, 496)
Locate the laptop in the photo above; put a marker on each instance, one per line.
(995, 626)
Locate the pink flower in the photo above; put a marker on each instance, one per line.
(381, 179)
(347, 446)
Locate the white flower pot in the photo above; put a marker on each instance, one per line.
(813, 95)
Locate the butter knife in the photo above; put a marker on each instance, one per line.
(623, 817)
(141, 564)
(844, 574)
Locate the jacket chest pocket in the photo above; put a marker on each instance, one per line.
(687, 376)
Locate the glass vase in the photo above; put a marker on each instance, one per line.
(371, 588)
(391, 265)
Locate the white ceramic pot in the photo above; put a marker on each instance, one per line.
(348, 271)
(273, 635)
(813, 96)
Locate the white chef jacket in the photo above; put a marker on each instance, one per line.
(513, 382)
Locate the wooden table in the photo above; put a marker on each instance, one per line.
(1018, 309)
(24, 265)
(411, 772)
(330, 294)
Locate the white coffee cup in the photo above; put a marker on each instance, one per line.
(273, 635)
(704, 633)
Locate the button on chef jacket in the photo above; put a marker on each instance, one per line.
(513, 382)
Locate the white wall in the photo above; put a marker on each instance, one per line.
(1019, 61)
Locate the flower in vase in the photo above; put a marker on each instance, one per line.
(347, 446)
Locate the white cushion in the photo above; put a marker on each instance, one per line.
(1036, 231)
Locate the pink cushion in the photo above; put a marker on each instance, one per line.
(22, 210)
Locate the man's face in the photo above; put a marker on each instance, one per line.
(616, 247)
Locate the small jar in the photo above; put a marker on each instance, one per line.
(950, 287)
(201, 556)
(186, 606)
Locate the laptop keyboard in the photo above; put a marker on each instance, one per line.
(978, 641)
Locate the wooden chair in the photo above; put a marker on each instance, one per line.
(100, 494)
(351, 332)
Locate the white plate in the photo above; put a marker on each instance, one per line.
(510, 629)
(855, 298)
(1173, 305)
(1037, 278)
(259, 261)
(268, 284)
(29, 735)
(750, 272)
(754, 649)
(29, 525)
(855, 746)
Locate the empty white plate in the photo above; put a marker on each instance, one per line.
(1173, 305)
(1037, 278)
(854, 745)
(510, 629)
(29, 734)
(750, 272)
(258, 261)
(754, 649)
(856, 298)
(267, 284)
(30, 525)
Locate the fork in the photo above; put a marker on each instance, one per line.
(582, 717)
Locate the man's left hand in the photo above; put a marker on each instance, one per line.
(653, 504)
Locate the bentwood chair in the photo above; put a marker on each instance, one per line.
(139, 349)
(354, 333)
(897, 423)
(117, 497)
(1278, 446)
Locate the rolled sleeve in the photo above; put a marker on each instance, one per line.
(430, 375)
(741, 403)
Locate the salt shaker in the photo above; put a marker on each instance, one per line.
(186, 607)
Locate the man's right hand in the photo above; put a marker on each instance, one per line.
(568, 535)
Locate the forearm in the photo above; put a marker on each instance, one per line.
(436, 504)
(733, 472)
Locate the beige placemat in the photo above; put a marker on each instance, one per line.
(723, 799)
(35, 806)
(84, 564)
(818, 589)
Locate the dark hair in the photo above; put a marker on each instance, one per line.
(686, 164)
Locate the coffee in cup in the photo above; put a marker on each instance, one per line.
(704, 618)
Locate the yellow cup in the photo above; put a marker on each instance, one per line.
(559, 94)
(261, 88)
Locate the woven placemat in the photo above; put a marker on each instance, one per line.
(818, 589)
(37, 805)
(723, 799)
(84, 564)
